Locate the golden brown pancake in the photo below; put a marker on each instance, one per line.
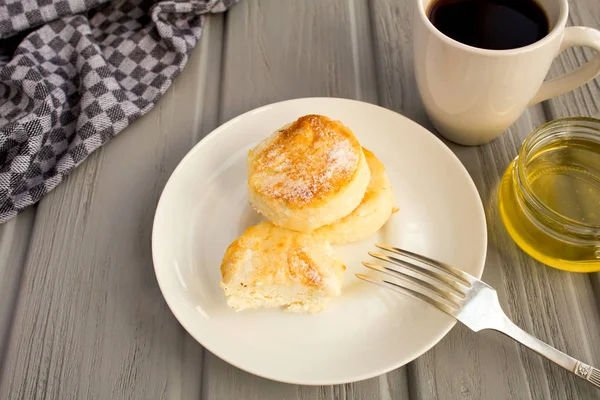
(269, 266)
(309, 173)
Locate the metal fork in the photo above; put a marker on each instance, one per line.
(464, 297)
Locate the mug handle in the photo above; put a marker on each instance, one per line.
(573, 36)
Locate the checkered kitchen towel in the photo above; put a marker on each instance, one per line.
(81, 71)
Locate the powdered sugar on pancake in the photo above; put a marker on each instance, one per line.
(305, 161)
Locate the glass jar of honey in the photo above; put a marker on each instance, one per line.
(549, 197)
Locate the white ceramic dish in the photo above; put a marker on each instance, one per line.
(365, 332)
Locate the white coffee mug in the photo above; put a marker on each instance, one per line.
(472, 95)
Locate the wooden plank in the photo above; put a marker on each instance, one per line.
(280, 50)
(90, 321)
(14, 242)
(223, 381)
(557, 307)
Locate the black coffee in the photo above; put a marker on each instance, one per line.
(490, 24)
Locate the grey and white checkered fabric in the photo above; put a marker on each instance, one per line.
(82, 71)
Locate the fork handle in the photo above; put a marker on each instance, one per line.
(582, 370)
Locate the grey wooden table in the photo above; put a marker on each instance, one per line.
(81, 315)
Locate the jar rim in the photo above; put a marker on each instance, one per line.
(572, 226)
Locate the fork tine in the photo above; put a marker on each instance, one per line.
(466, 278)
(422, 271)
(415, 281)
(401, 288)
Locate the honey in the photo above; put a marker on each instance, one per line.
(549, 196)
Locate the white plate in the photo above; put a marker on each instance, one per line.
(367, 331)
